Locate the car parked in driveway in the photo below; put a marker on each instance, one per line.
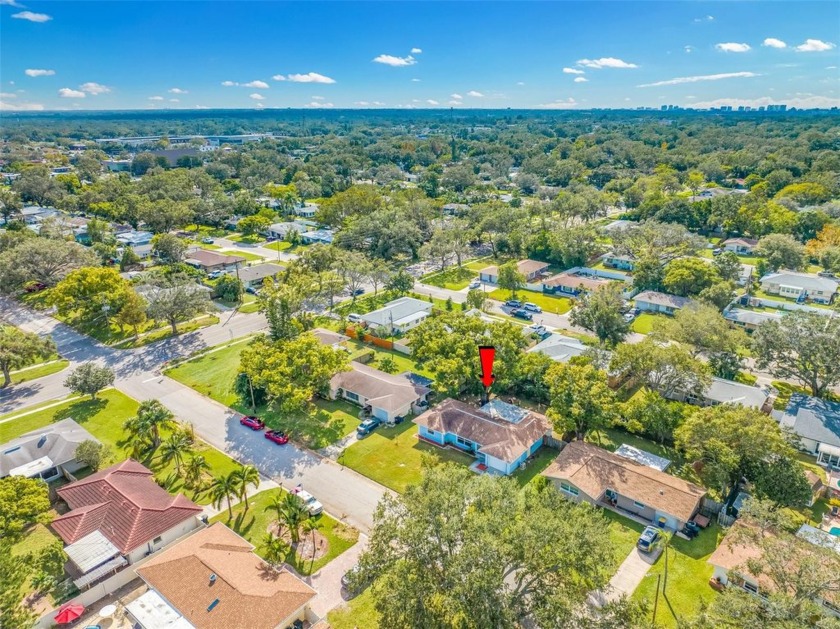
(539, 330)
(252, 422)
(368, 426)
(312, 505)
(531, 307)
(277, 436)
(513, 303)
(351, 583)
(354, 318)
(474, 284)
(648, 538)
(207, 240)
(521, 313)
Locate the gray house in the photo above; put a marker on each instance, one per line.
(44, 453)
(253, 276)
(653, 301)
(817, 424)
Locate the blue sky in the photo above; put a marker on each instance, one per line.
(137, 55)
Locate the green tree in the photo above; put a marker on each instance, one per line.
(194, 469)
(291, 513)
(169, 248)
(146, 426)
(781, 251)
(176, 300)
(14, 570)
(286, 303)
(510, 278)
(689, 276)
(132, 312)
(719, 295)
(477, 298)
(23, 501)
(93, 454)
(782, 480)
(804, 346)
(292, 371)
(224, 489)
(252, 225)
(730, 442)
(581, 400)
(401, 283)
(648, 413)
(129, 259)
(41, 260)
(89, 379)
(387, 364)
(703, 329)
(667, 369)
(274, 549)
(19, 349)
(728, 266)
(600, 313)
(175, 448)
(90, 293)
(229, 288)
(438, 557)
(246, 475)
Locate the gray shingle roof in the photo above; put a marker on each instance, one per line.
(801, 280)
(813, 418)
(751, 316)
(57, 441)
(259, 272)
(560, 348)
(662, 299)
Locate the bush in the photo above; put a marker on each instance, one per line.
(92, 453)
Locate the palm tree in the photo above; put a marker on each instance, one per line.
(175, 448)
(152, 416)
(291, 512)
(274, 548)
(310, 526)
(222, 489)
(246, 475)
(194, 470)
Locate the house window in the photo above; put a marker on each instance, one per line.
(157, 540)
(464, 442)
(750, 587)
(569, 489)
(351, 396)
(640, 505)
(429, 431)
(610, 494)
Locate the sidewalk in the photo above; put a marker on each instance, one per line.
(626, 579)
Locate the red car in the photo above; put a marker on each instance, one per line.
(277, 436)
(254, 423)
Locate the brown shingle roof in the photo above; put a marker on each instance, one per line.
(211, 258)
(662, 299)
(497, 437)
(593, 470)
(526, 267)
(381, 389)
(575, 281)
(124, 503)
(250, 593)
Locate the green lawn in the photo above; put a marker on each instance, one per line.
(643, 324)
(253, 525)
(402, 361)
(39, 371)
(453, 278)
(624, 533)
(251, 239)
(282, 245)
(355, 614)
(549, 303)
(688, 578)
(392, 456)
(165, 332)
(213, 374)
(35, 539)
(250, 257)
(757, 292)
(482, 263)
(104, 418)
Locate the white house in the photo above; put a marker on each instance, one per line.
(44, 453)
(307, 210)
(399, 315)
(653, 301)
(531, 269)
(800, 286)
(384, 395)
(741, 246)
(559, 348)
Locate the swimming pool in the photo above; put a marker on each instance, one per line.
(835, 530)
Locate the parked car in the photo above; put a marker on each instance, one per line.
(354, 318)
(252, 290)
(539, 330)
(277, 436)
(531, 307)
(474, 284)
(216, 274)
(513, 303)
(521, 313)
(254, 423)
(207, 240)
(357, 292)
(648, 539)
(629, 317)
(717, 251)
(368, 426)
(312, 505)
(350, 582)
(827, 274)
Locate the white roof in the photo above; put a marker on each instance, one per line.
(153, 612)
(559, 348)
(91, 551)
(802, 280)
(644, 457)
(399, 311)
(729, 391)
(32, 468)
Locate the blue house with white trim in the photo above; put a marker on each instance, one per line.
(499, 435)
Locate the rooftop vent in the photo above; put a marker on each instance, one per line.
(213, 578)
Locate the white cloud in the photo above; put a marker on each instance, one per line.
(580, 79)
(257, 96)
(174, 100)
(397, 62)
(520, 82)
(378, 103)
(455, 102)
(569, 103)
(260, 85)
(432, 102)
(362, 103)
(705, 77)
(309, 77)
(811, 102)
(229, 83)
(318, 98)
(7, 95)
(32, 17)
(11, 3)
(572, 71)
(201, 107)
(416, 51)
(415, 80)
(705, 18)
(259, 105)
(815, 45)
(606, 62)
(155, 97)
(319, 105)
(732, 47)
(772, 42)
(688, 49)
(178, 90)
(456, 96)
(94, 88)
(4, 106)
(66, 92)
(475, 94)
(37, 72)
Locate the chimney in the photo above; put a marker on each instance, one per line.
(212, 578)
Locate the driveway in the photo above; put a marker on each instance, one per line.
(327, 581)
(627, 578)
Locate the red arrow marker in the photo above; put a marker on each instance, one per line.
(487, 353)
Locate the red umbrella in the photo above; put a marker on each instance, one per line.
(69, 613)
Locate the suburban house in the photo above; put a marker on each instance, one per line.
(573, 284)
(583, 471)
(618, 261)
(125, 513)
(383, 395)
(209, 261)
(253, 276)
(653, 301)
(800, 286)
(499, 435)
(317, 237)
(750, 319)
(134, 238)
(817, 424)
(619, 225)
(307, 210)
(47, 453)
(214, 580)
(722, 391)
(399, 316)
(531, 269)
(730, 561)
(328, 337)
(282, 230)
(741, 246)
(559, 348)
